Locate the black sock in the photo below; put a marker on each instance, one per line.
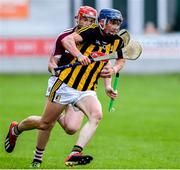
(77, 148)
(38, 155)
(16, 130)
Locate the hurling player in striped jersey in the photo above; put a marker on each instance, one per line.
(72, 118)
(102, 37)
(77, 85)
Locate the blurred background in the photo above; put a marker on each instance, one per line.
(28, 29)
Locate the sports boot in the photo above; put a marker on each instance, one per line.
(10, 140)
(78, 159)
(35, 164)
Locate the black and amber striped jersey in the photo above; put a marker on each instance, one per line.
(86, 77)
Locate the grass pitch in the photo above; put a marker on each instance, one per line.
(143, 132)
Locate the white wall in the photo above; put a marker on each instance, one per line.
(47, 18)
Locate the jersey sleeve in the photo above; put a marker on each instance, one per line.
(58, 47)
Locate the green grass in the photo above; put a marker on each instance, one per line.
(143, 132)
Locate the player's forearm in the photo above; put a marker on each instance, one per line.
(53, 61)
(107, 82)
(69, 43)
(118, 65)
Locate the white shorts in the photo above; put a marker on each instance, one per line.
(63, 94)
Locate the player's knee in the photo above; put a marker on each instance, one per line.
(71, 129)
(44, 125)
(96, 116)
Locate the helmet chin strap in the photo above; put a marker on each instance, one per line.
(76, 18)
(103, 27)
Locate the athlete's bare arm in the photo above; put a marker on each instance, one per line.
(109, 70)
(108, 88)
(69, 43)
(118, 65)
(53, 63)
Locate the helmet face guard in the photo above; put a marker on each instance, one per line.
(110, 15)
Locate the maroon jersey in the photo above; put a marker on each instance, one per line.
(65, 58)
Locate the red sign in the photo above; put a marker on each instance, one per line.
(13, 9)
(26, 47)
